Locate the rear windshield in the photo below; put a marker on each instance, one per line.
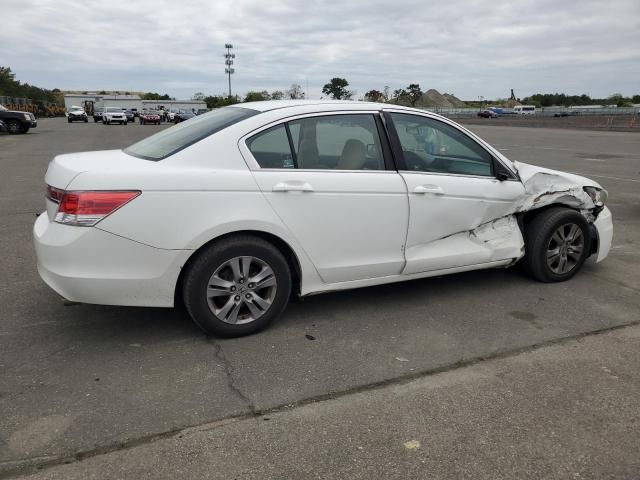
(169, 141)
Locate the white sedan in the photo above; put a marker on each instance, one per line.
(235, 210)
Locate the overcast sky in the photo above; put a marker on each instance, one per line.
(465, 47)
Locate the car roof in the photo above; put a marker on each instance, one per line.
(319, 105)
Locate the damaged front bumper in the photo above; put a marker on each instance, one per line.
(604, 234)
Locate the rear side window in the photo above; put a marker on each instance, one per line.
(271, 148)
(169, 141)
(332, 142)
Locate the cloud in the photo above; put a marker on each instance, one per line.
(467, 47)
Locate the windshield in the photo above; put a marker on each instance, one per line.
(171, 140)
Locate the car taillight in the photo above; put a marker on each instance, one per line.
(54, 194)
(86, 208)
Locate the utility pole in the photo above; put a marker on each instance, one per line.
(229, 63)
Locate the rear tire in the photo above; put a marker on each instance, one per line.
(557, 242)
(238, 306)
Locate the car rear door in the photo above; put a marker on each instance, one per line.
(453, 189)
(329, 177)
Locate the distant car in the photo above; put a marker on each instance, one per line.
(171, 116)
(17, 122)
(149, 118)
(97, 115)
(563, 114)
(114, 115)
(182, 116)
(487, 114)
(3, 126)
(77, 114)
(130, 116)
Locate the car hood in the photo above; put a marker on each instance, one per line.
(77, 112)
(544, 186)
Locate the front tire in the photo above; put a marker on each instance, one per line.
(557, 242)
(14, 127)
(237, 286)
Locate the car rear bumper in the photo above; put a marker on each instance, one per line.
(604, 228)
(89, 265)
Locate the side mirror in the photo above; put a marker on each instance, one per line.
(502, 176)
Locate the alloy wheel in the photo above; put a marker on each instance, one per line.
(565, 248)
(241, 290)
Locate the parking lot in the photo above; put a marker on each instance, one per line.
(78, 381)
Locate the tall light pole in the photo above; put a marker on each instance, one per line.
(228, 61)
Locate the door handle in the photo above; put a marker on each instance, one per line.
(434, 189)
(292, 187)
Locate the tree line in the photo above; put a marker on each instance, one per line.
(10, 87)
(563, 100)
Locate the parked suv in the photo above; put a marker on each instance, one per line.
(114, 115)
(77, 114)
(17, 122)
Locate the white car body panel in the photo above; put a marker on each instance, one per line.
(440, 223)
(338, 221)
(88, 265)
(354, 229)
(604, 226)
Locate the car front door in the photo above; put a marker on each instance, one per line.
(453, 189)
(330, 179)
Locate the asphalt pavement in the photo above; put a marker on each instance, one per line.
(81, 381)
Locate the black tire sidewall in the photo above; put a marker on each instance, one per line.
(537, 241)
(197, 278)
(12, 129)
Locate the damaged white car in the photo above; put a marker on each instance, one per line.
(236, 209)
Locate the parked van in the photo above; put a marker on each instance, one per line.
(525, 109)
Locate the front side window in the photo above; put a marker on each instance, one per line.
(429, 145)
(331, 142)
(171, 140)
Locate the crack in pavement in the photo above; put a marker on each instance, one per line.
(27, 466)
(228, 370)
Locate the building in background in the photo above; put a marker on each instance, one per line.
(89, 101)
